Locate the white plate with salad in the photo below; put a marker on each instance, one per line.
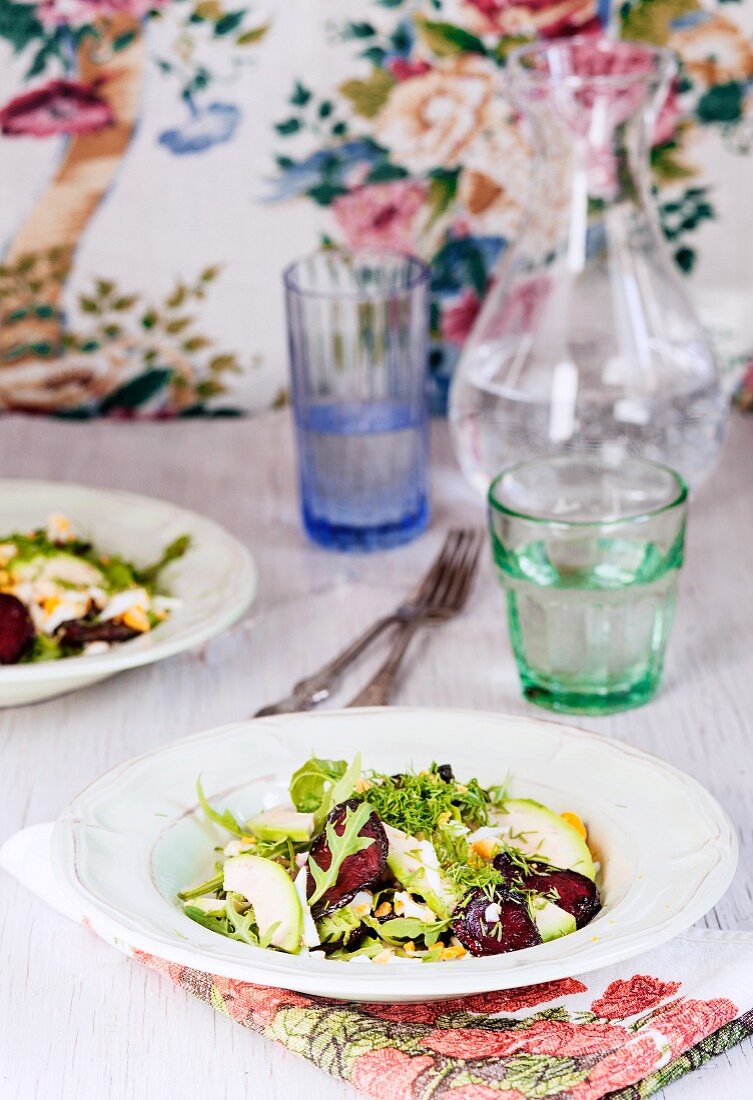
(94, 582)
(394, 854)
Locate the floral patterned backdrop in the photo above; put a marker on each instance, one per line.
(163, 159)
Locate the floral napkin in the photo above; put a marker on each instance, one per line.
(622, 1032)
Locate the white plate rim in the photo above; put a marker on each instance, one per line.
(120, 659)
(398, 983)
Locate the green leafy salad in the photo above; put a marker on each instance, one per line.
(414, 866)
(60, 596)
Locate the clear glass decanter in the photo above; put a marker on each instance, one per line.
(587, 341)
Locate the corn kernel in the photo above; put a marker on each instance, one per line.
(575, 821)
(49, 604)
(137, 619)
(409, 948)
(362, 785)
(383, 910)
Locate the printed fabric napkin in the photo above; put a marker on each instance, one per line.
(622, 1032)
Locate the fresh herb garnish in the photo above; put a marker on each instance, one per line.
(224, 819)
(417, 802)
(309, 784)
(176, 549)
(341, 846)
(208, 887)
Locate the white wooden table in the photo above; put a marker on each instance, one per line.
(78, 1021)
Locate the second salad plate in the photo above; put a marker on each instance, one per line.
(85, 593)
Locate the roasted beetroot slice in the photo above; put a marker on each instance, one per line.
(16, 629)
(77, 633)
(577, 895)
(357, 871)
(477, 935)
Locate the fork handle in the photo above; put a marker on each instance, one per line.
(378, 691)
(319, 686)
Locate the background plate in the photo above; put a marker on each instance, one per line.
(216, 579)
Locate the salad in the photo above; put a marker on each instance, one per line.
(60, 596)
(413, 866)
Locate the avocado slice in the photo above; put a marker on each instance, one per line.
(540, 833)
(551, 921)
(281, 823)
(415, 865)
(270, 890)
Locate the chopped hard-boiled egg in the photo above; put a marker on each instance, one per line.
(361, 904)
(575, 821)
(311, 937)
(406, 906)
(59, 528)
(124, 601)
(137, 619)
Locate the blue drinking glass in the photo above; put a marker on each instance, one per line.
(358, 335)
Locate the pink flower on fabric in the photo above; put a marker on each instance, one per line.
(627, 998)
(637, 1058)
(80, 13)
(549, 17)
(388, 1073)
(483, 1092)
(257, 1005)
(403, 69)
(667, 119)
(555, 1037)
(685, 1023)
(58, 107)
(381, 215)
(457, 320)
(503, 1000)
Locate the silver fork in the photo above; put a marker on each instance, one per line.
(320, 685)
(449, 598)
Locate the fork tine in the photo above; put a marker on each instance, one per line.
(468, 573)
(459, 578)
(432, 585)
(446, 581)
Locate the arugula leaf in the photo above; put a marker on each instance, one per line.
(368, 948)
(339, 925)
(231, 923)
(208, 887)
(309, 784)
(339, 791)
(266, 939)
(398, 929)
(340, 847)
(176, 549)
(225, 819)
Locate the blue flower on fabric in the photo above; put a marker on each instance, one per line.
(205, 127)
(326, 165)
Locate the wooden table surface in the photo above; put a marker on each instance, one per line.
(80, 1021)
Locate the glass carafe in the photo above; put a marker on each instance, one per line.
(587, 341)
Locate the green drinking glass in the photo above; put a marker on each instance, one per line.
(589, 552)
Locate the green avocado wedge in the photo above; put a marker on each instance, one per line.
(540, 833)
(272, 895)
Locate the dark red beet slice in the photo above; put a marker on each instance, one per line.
(77, 633)
(357, 871)
(577, 895)
(16, 629)
(482, 937)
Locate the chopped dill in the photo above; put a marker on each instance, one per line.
(418, 802)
